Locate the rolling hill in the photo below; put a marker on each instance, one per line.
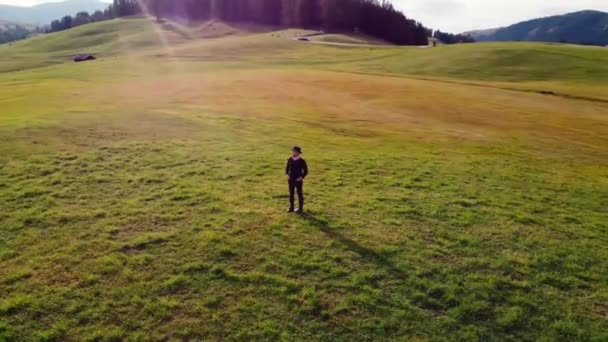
(584, 27)
(47, 12)
(451, 195)
(528, 65)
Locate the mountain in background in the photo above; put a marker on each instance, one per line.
(585, 27)
(5, 24)
(47, 12)
(11, 31)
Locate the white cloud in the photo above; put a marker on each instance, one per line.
(465, 15)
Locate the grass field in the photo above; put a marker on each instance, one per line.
(348, 39)
(142, 195)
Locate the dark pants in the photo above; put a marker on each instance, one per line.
(293, 186)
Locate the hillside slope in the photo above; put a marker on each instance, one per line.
(45, 13)
(142, 195)
(585, 27)
(567, 69)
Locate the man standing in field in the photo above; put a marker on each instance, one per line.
(296, 171)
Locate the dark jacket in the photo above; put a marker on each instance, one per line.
(296, 169)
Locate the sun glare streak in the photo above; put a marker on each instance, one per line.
(170, 67)
(163, 40)
(158, 60)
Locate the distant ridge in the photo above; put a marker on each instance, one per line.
(47, 12)
(584, 27)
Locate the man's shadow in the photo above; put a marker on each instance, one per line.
(365, 253)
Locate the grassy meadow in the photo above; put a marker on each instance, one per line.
(456, 193)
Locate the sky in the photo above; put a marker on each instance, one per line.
(464, 15)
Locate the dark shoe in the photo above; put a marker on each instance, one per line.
(300, 211)
(290, 210)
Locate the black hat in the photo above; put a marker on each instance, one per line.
(297, 149)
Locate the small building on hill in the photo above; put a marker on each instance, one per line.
(84, 58)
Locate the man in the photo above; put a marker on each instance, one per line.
(296, 171)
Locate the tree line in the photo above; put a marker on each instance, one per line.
(119, 8)
(449, 38)
(12, 32)
(377, 18)
(373, 17)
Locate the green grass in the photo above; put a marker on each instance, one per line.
(349, 39)
(142, 195)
